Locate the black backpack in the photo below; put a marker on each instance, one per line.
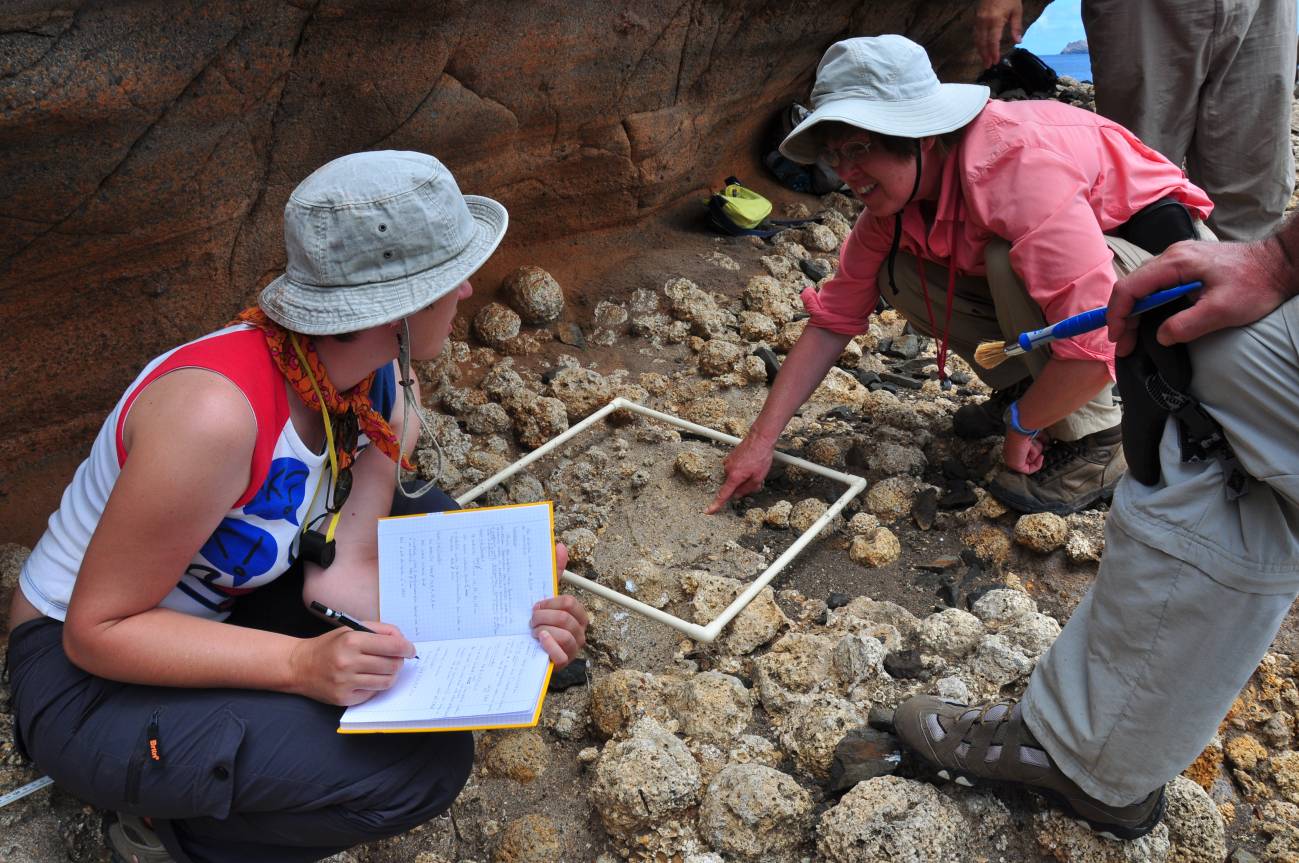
(811, 179)
(1020, 69)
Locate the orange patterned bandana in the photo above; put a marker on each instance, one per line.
(357, 399)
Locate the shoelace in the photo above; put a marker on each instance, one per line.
(1008, 706)
(1057, 455)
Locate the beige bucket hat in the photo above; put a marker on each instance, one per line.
(374, 237)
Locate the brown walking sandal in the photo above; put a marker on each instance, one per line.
(131, 840)
(991, 742)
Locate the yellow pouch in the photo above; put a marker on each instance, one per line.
(743, 206)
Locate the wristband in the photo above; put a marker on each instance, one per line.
(1012, 420)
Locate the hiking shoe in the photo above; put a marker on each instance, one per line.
(991, 742)
(130, 840)
(1073, 476)
(986, 418)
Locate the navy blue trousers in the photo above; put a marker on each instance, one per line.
(242, 775)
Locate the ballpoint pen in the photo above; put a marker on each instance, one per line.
(342, 619)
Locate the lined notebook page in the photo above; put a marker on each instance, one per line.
(462, 682)
(466, 574)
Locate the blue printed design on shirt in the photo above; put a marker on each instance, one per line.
(240, 549)
(282, 493)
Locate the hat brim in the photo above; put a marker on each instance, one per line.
(321, 311)
(950, 108)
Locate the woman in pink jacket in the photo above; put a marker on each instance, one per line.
(982, 220)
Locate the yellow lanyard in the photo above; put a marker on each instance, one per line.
(329, 440)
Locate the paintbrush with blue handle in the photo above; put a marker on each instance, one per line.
(992, 354)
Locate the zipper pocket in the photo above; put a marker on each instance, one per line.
(151, 751)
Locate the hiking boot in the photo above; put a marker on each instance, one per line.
(986, 418)
(1073, 476)
(991, 742)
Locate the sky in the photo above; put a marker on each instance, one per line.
(1059, 25)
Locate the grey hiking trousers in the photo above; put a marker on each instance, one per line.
(1208, 81)
(1192, 587)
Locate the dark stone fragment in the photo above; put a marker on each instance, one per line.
(902, 380)
(570, 334)
(906, 347)
(971, 558)
(940, 564)
(769, 361)
(950, 595)
(925, 508)
(905, 664)
(573, 674)
(865, 378)
(959, 378)
(862, 754)
(843, 412)
(888, 388)
(973, 573)
(975, 595)
(880, 718)
(959, 496)
(823, 618)
(953, 468)
(813, 269)
(837, 600)
(884, 345)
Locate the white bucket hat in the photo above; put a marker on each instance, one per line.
(882, 84)
(374, 237)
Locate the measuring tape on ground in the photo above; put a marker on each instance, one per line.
(20, 793)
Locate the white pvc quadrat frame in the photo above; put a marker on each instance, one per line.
(705, 633)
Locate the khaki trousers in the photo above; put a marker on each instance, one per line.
(998, 308)
(1209, 82)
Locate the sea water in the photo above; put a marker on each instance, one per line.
(1078, 66)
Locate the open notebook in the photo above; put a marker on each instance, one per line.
(461, 586)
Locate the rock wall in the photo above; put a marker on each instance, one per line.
(147, 147)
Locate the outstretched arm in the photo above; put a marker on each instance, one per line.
(1242, 283)
(804, 368)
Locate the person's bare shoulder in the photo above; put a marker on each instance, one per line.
(195, 411)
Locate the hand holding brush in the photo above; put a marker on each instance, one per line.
(992, 354)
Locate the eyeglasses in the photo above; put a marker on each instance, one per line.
(832, 157)
(346, 432)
